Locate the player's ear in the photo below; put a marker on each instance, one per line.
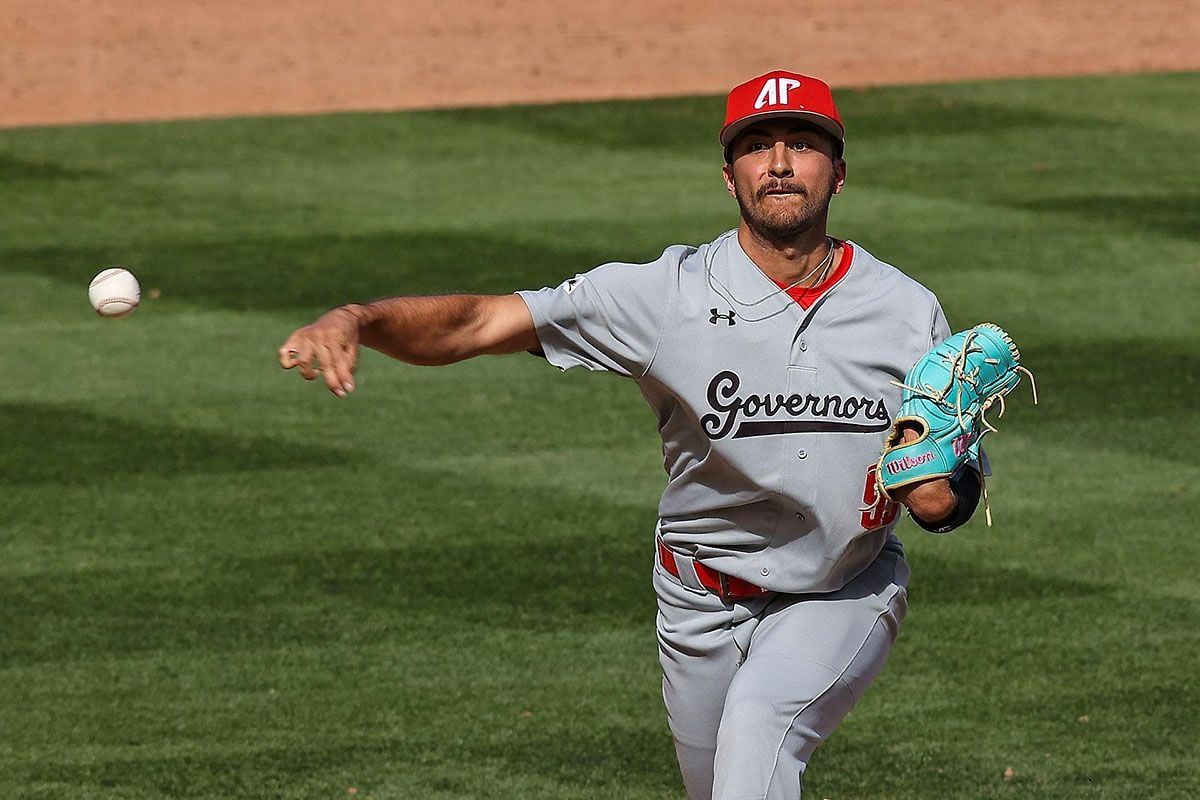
(839, 175)
(727, 172)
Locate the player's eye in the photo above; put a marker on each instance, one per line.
(801, 146)
(756, 147)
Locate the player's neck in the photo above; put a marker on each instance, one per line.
(793, 261)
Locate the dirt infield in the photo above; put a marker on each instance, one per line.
(66, 61)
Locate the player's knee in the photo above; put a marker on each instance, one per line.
(746, 717)
(762, 718)
(752, 729)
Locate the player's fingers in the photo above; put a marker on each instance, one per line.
(342, 377)
(304, 361)
(349, 366)
(331, 368)
(338, 365)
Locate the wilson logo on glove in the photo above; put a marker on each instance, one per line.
(908, 462)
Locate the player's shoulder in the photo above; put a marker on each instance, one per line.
(668, 263)
(672, 256)
(892, 282)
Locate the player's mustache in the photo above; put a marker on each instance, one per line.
(779, 186)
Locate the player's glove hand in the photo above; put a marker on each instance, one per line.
(946, 394)
(328, 346)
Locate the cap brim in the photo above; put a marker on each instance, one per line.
(820, 120)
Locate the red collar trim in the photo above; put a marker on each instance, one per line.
(806, 296)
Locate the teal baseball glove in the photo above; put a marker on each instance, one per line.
(946, 396)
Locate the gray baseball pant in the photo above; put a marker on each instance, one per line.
(753, 686)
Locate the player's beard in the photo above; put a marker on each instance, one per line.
(778, 221)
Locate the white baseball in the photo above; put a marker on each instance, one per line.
(114, 293)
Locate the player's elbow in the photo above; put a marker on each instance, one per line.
(502, 324)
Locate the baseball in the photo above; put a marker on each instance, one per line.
(114, 293)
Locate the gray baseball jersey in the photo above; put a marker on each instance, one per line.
(772, 412)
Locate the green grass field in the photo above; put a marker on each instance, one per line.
(219, 581)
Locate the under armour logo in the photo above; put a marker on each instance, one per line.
(775, 92)
(727, 317)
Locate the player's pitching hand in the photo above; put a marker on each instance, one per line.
(329, 347)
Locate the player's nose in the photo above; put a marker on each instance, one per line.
(781, 166)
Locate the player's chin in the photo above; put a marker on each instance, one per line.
(784, 221)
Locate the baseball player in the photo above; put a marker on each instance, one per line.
(768, 356)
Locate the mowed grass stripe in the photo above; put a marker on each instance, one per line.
(221, 582)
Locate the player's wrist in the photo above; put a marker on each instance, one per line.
(360, 315)
(966, 484)
(929, 501)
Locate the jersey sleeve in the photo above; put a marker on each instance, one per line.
(609, 319)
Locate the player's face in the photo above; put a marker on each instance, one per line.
(783, 174)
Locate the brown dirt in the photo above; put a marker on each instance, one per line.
(64, 61)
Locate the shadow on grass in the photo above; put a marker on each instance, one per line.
(1113, 379)
(13, 168)
(319, 271)
(597, 755)
(679, 125)
(936, 581)
(924, 115)
(581, 755)
(253, 772)
(72, 446)
(1176, 214)
(1114, 395)
(550, 574)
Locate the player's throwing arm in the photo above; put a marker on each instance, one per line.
(419, 330)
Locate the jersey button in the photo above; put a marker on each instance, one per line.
(765, 572)
(802, 454)
(799, 516)
(803, 345)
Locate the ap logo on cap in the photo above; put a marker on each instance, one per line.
(774, 92)
(782, 94)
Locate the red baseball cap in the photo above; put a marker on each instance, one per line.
(782, 94)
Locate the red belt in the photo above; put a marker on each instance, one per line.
(720, 584)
